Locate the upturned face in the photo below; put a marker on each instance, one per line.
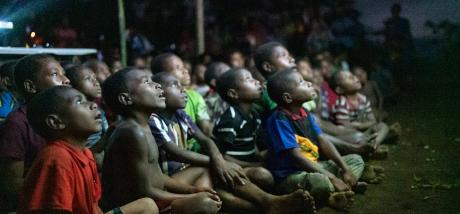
(175, 66)
(51, 74)
(176, 98)
(80, 116)
(249, 89)
(348, 82)
(236, 60)
(303, 91)
(145, 93)
(281, 59)
(88, 84)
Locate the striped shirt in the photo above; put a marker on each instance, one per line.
(176, 130)
(345, 111)
(235, 134)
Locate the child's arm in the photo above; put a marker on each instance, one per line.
(229, 173)
(13, 155)
(305, 164)
(206, 126)
(333, 129)
(331, 153)
(12, 180)
(371, 121)
(185, 156)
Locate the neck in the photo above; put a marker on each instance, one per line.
(140, 117)
(76, 141)
(293, 108)
(352, 96)
(244, 108)
(168, 113)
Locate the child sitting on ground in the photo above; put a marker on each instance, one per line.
(346, 140)
(235, 131)
(353, 110)
(172, 127)
(19, 142)
(196, 107)
(63, 177)
(269, 59)
(295, 143)
(84, 80)
(131, 166)
(216, 106)
(370, 90)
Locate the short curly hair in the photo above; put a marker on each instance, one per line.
(50, 101)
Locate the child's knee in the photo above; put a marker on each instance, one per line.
(319, 185)
(206, 205)
(148, 205)
(261, 176)
(356, 163)
(383, 127)
(357, 137)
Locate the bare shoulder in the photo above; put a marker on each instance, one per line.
(130, 133)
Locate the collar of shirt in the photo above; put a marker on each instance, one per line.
(84, 156)
(302, 114)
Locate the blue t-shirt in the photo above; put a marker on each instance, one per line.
(288, 131)
(7, 104)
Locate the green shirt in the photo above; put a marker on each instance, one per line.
(196, 108)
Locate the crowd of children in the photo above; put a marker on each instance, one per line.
(266, 134)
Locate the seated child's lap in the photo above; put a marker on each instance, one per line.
(318, 184)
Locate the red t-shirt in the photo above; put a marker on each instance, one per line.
(331, 95)
(62, 177)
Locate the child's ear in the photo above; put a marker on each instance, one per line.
(29, 86)
(125, 99)
(54, 122)
(339, 90)
(232, 93)
(267, 66)
(287, 98)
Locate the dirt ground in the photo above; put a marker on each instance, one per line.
(423, 170)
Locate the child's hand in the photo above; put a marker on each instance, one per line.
(214, 197)
(229, 173)
(339, 185)
(203, 189)
(349, 178)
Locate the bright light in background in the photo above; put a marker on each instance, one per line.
(6, 25)
(32, 34)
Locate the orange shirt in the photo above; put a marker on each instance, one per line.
(62, 177)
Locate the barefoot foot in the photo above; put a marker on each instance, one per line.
(299, 201)
(341, 200)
